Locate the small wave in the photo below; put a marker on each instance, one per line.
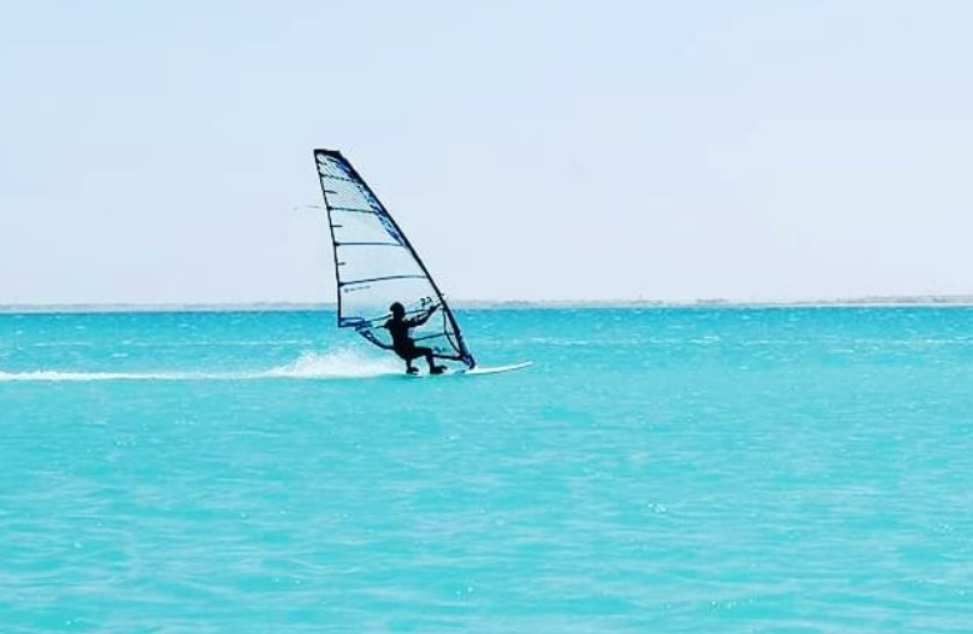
(309, 365)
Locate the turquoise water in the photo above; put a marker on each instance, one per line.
(656, 470)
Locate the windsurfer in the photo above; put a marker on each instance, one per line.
(402, 343)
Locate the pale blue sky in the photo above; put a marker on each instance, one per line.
(153, 152)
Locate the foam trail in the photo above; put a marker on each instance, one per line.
(338, 364)
(309, 365)
(56, 376)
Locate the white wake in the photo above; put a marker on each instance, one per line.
(337, 364)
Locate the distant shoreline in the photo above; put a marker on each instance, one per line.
(858, 302)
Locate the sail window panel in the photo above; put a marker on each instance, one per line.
(367, 306)
(371, 300)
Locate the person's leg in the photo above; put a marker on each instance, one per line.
(423, 351)
(408, 356)
(427, 353)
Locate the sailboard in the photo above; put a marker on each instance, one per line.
(479, 370)
(376, 265)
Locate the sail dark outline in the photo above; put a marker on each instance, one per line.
(376, 265)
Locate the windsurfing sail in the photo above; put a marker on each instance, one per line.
(375, 265)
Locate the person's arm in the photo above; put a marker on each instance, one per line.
(418, 321)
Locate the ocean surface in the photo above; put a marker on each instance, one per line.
(655, 470)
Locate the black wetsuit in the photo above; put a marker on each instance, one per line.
(404, 346)
(402, 343)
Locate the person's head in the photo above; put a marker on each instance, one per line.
(398, 310)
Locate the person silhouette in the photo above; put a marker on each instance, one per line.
(402, 342)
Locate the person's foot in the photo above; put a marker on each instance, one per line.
(437, 369)
(412, 370)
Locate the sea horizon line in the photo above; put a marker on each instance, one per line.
(281, 306)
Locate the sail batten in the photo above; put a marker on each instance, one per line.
(379, 266)
(387, 278)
